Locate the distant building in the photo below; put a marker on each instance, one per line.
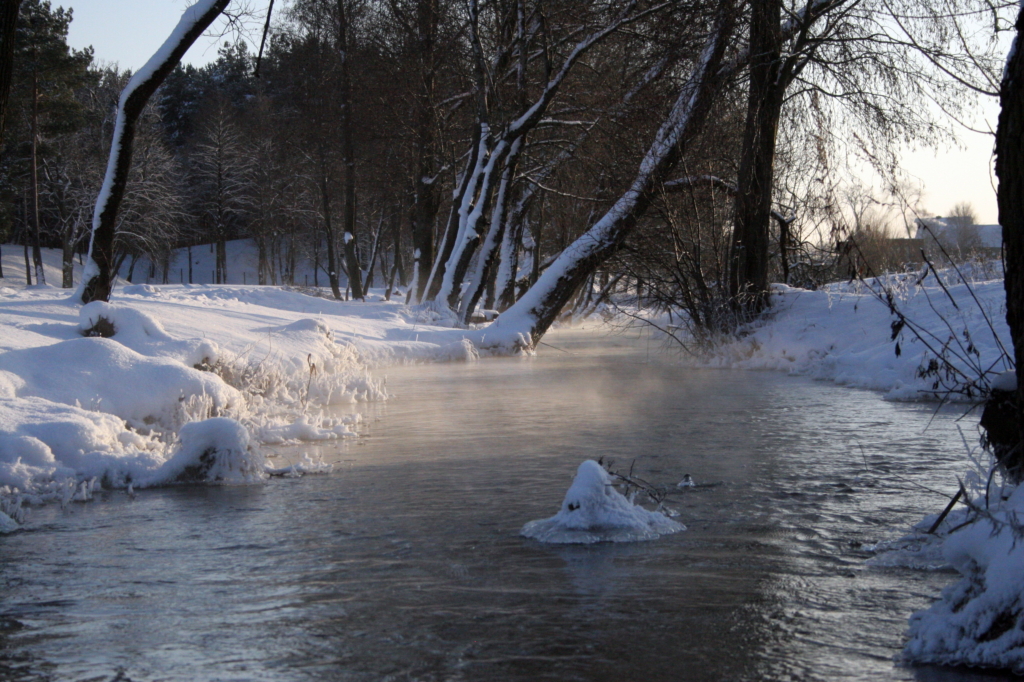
(959, 239)
(872, 254)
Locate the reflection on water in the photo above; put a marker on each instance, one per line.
(406, 564)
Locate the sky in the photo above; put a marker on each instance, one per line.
(129, 31)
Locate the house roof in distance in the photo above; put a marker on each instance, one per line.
(989, 236)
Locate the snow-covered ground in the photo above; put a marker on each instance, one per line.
(845, 333)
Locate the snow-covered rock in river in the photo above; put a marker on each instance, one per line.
(979, 620)
(594, 511)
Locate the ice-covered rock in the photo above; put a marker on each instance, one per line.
(594, 511)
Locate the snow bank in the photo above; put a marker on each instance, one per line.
(843, 333)
(257, 366)
(978, 621)
(594, 511)
(144, 334)
(105, 375)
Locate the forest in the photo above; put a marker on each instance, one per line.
(454, 150)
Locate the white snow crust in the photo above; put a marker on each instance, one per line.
(843, 333)
(594, 511)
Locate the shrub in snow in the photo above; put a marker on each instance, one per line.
(979, 621)
(594, 511)
(212, 451)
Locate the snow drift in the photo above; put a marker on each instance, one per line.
(594, 511)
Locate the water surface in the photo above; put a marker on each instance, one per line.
(406, 564)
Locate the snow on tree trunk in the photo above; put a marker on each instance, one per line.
(97, 277)
(526, 322)
(493, 240)
(476, 201)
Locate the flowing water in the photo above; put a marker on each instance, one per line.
(405, 563)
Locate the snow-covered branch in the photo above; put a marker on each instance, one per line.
(97, 279)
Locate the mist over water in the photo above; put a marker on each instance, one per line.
(406, 564)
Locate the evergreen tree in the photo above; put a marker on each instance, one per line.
(46, 75)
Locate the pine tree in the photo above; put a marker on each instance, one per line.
(47, 71)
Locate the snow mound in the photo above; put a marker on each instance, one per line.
(41, 441)
(216, 450)
(7, 524)
(106, 375)
(144, 334)
(594, 511)
(979, 620)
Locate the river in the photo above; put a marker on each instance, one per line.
(405, 563)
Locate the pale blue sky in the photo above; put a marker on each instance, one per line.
(129, 31)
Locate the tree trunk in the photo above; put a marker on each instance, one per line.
(748, 280)
(37, 253)
(425, 202)
(67, 264)
(527, 321)
(8, 23)
(452, 230)
(332, 259)
(1010, 197)
(348, 154)
(28, 263)
(97, 278)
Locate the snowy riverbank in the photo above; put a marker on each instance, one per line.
(75, 408)
(845, 333)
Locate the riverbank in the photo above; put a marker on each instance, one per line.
(76, 405)
(909, 337)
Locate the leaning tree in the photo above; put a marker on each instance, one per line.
(98, 276)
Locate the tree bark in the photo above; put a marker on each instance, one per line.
(37, 253)
(748, 280)
(98, 276)
(332, 258)
(425, 202)
(1010, 198)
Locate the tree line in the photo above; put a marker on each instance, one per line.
(500, 154)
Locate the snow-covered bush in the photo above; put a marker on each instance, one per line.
(594, 511)
(216, 450)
